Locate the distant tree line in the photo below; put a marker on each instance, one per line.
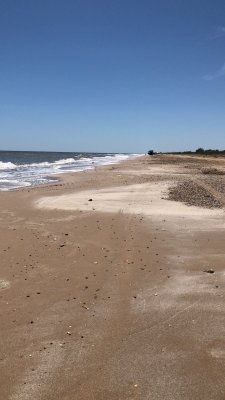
(200, 150)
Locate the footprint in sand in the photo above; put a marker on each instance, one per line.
(4, 284)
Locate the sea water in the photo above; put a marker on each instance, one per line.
(20, 169)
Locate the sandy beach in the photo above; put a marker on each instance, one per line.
(112, 283)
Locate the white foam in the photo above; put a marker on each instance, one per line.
(49, 164)
(7, 165)
(65, 161)
(6, 184)
(16, 176)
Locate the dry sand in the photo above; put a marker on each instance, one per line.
(111, 298)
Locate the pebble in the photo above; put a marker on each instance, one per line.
(86, 308)
(209, 271)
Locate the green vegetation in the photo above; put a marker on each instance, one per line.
(200, 151)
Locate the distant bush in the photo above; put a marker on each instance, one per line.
(200, 150)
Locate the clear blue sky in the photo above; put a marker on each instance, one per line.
(118, 75)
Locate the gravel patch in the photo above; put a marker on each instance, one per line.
(217, 183)
(192, 194)
(212, 171)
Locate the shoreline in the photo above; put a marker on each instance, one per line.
(56, 175)
(123, 301)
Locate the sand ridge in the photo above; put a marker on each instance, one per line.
(145, 198)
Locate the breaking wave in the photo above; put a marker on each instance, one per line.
(14, 175)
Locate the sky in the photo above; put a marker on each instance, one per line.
(112, 76)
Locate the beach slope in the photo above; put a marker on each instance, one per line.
(112, 283)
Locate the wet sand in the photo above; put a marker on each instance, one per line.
(120, 297)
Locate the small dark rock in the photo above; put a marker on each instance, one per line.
(209, 271)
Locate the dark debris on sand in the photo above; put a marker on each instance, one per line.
(192, 194)
(212, 171)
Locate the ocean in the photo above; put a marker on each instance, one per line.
(27, 168)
